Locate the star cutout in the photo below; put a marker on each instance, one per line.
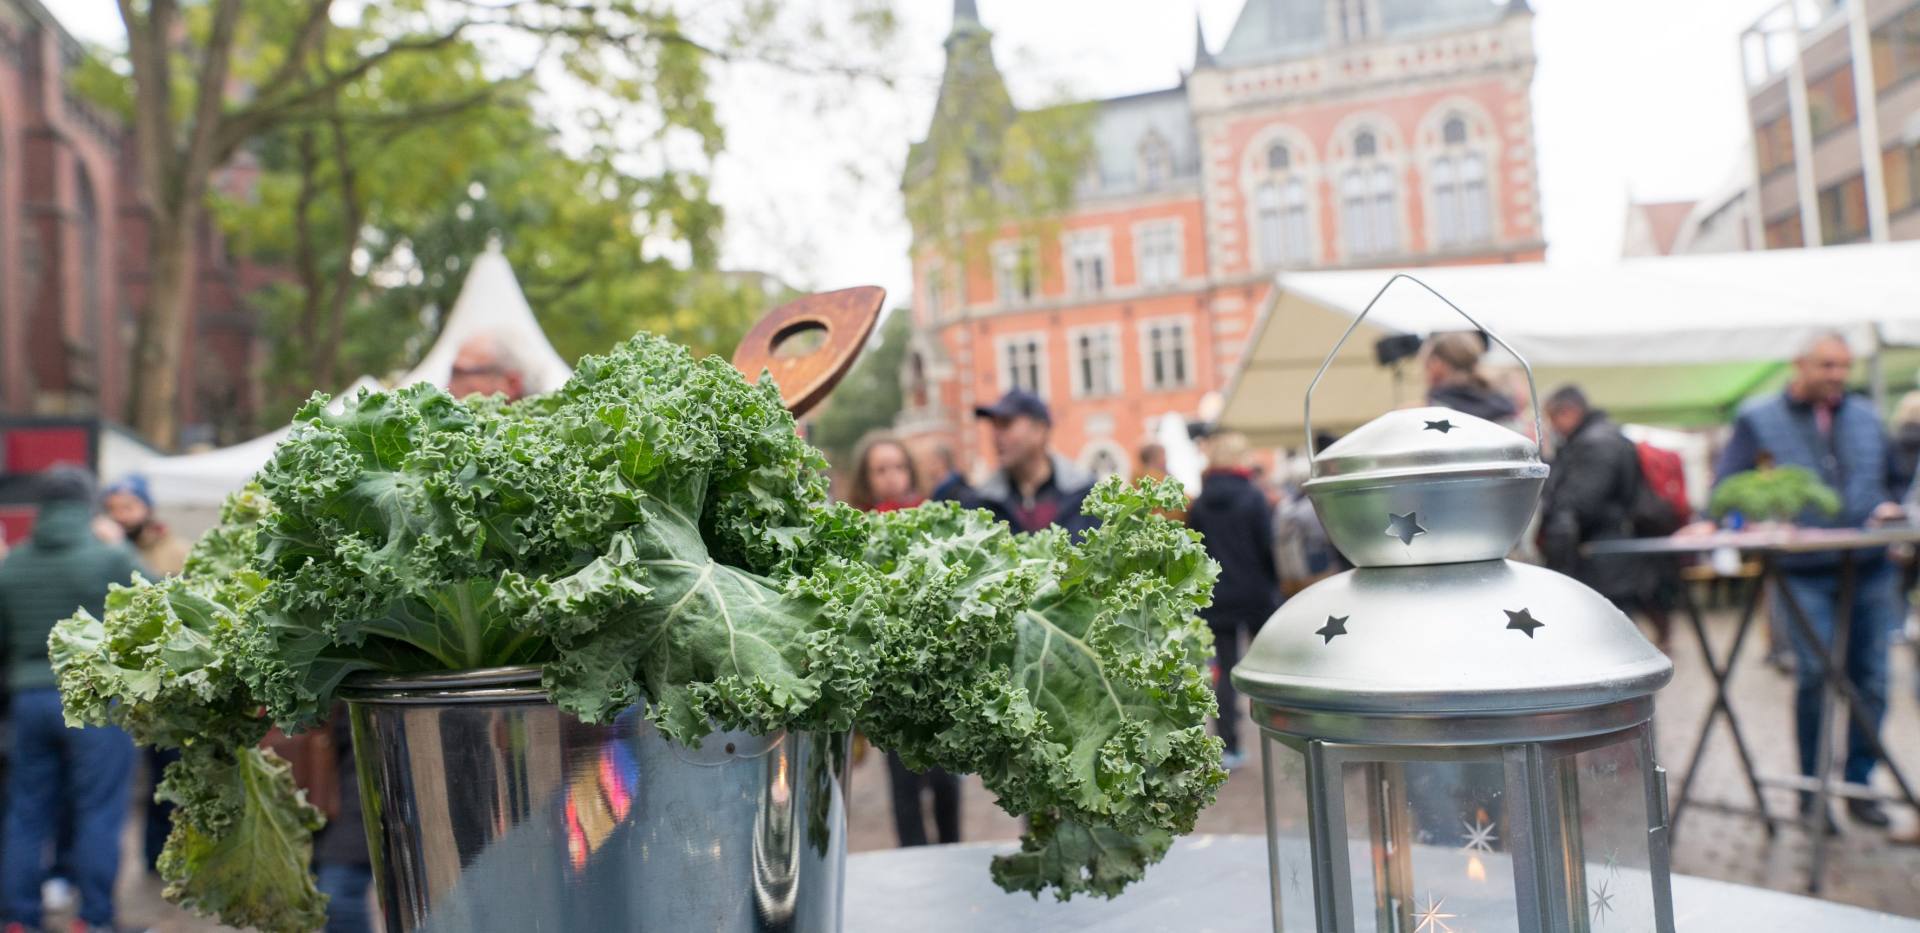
(1523, 621)
(1602, 901)
(1336, 625)
(1430, 918)
(1293, 878)
(1480, 836)
(1443, 426)
(1405, 527)
(1613, 862)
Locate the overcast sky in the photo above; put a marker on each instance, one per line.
(1637, 97)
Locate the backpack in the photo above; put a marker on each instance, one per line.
(1660, 507)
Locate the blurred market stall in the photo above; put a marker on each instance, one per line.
(1675, 341)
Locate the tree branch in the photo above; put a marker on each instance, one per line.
(203, 154)
(343, 278)
(304, 43)
(264, 114)
(152, 99)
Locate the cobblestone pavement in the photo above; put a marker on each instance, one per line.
(1863, 868)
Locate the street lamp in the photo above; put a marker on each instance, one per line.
(1454, 741)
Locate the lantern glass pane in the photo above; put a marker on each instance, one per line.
(1290, 848)
(1428, 846)
(1604, 813)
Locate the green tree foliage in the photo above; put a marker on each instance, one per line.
(869, 397)
(374, 121)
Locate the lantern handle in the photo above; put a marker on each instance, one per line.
(1533, 391)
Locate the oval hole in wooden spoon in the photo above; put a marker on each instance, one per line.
(799, 339)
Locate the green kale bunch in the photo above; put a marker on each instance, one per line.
(655, 532)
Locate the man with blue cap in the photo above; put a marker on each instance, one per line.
(1034, 488)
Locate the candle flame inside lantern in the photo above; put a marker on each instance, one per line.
(1476, 869)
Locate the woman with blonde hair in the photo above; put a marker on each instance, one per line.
(1454, 379)
(884, 479)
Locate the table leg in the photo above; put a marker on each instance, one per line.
(1722, 676)
(1834, 667)
(1834, 675)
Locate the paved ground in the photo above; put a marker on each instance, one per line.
(1864, 869)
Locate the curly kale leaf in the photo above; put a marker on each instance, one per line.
(242, 841)
(1068, 676)
(164, 664)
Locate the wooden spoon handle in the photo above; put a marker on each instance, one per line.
(846, 316)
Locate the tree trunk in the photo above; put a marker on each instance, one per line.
(163, 329)
(343, 278)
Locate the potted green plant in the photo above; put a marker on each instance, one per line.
(1773, 495)
(626, 618)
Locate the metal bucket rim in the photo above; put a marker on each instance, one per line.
(475, 685)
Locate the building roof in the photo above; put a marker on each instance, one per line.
(1274, 30)
(1123, 129)
(1664, 220)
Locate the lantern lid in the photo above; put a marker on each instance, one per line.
(1424, 442)
(1482, 638)
(1426, 486)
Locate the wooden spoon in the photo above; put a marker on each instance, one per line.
(844, 319)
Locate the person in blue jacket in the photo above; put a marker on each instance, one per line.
(1817, 424)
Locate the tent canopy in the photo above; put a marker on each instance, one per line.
(1669, 340)
(189, 489)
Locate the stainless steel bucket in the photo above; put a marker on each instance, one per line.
(489, 809)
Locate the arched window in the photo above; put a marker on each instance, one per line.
(1282, 228)
(1461, 214)
(1266, 205)
(1104, 459)
(1156, 161)
(1296, 231)
(1369, 201)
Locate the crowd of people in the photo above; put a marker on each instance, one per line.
(68, 789)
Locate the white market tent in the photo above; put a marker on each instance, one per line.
(188, 489)
(1675, 340)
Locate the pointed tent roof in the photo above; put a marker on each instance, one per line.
(492, 304)
(186, 488)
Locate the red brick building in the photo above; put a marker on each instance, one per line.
(1323, 134)
(73, 254)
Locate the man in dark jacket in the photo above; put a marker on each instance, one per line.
(1034, 488)
(1589, 497)
(1818, 425)
(1236, 525)
(82, 773)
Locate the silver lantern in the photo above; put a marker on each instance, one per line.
(1454, 741)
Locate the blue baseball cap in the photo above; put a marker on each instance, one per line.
(132, 484)
(1015, 403)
